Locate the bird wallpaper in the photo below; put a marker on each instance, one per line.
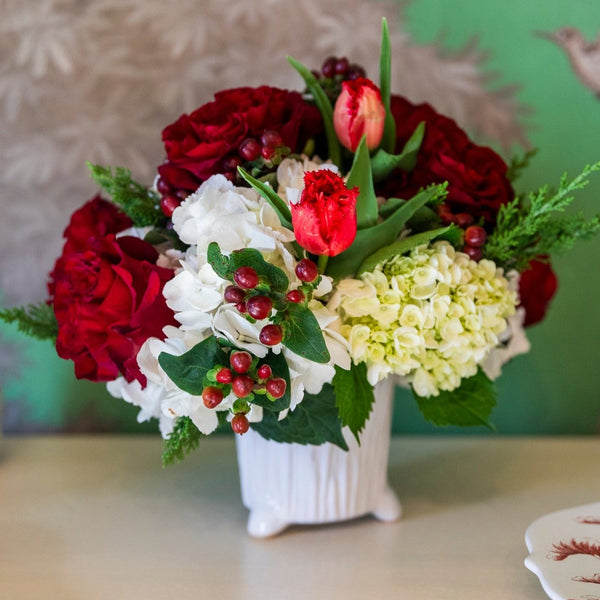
(98, 80)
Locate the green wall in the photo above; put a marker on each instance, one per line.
(555, 388)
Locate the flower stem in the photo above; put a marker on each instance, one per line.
(322, 263)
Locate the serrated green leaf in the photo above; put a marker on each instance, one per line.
(360, 176)
(469, 405)
(303, 334)
(368, 241)
(400, 247)
(324, 105)
(314, 421)
(271, 196)
(218, 261)
(383, 162)
(353, 397)
(188, 370)
(388, 141)
(280, 368)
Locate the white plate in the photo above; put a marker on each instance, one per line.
(564, 552)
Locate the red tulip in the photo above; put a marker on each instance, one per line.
(324, 219)
(359, 111)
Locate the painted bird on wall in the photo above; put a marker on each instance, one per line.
(584, 56)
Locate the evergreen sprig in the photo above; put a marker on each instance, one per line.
(184, 438)
(519, 163)
(36, 320)
(140, 204)
(536, 225)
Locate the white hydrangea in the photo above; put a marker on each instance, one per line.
(432, 316)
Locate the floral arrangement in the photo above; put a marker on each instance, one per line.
(297, 248)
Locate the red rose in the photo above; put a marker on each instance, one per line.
(476, 175)
(198, 145)
(537, 286)
(324, 220)
(107, 295)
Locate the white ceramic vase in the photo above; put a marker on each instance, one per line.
(283, 484)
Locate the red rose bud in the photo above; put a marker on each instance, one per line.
(359, 111)
(324, 219)
(537, 286)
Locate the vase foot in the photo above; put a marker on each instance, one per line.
(389, 508)
(262, 523)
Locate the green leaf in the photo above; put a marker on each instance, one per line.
(383, 163)
(279, 367)
(188, 370)
(184, 438)
(469, 405)
(314, 421)
(218, 261)
(303, 335)
(368, 241)
(353, 397)
(35, 320)
(324, 106)
(400, 247)
(140, 204)
(360, 176)
(271, 196)
(388, 142)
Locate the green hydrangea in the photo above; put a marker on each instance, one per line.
(432, 316)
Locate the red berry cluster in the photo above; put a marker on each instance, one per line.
(170, 200)
(474, 235)
(335, 67)
(242, 378)
(259, 305)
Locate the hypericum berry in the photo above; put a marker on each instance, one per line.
(267, 152)
(231, 163)
(241, 306)
(306, 270)
(264, 372)
(473, 252)
(168, 204)
(328, 68)
(464, 219)
(224, 375)
(234, 294)
(271, 138)
(242, 385)
(475, 236)
(259, 307)
(246, 278)
(355, 72)
(341, 66)
(295, 296)
(240, 424)
(270, 335)
(212, 396)
(249, 149)
(240, 361)
(163, 187)
(276, 387)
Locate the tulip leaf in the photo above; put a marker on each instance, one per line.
(360, 176)
(189, 370)
(400, 247)
(368, 241)
(279, 367)
(314, 421)
(353, 397)
(388, 141)
(383, 163)
(303, 335)
(324, 105)
(271, 196)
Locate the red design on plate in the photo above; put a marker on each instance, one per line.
(588, 520)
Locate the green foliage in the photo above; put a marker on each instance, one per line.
(368, 241)
(324, 105)
(135, 200)
(189, 370)
(388, 141)
(534, 226)
(35, 320)
(469, 405)
(383, 163)
(302, 333)
(314, 421)
(519, 163)
(353, 397)
(360, 176)
(184, 438)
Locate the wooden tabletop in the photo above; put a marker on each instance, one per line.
(95, 518)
